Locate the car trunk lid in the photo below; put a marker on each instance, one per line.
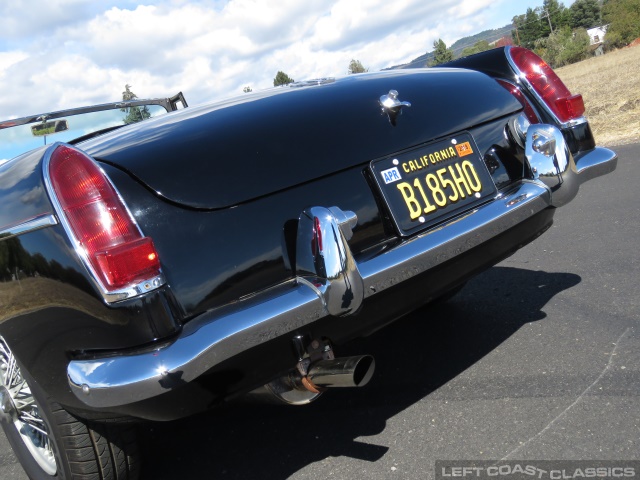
(235, 151)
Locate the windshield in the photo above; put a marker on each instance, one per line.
(22, 138)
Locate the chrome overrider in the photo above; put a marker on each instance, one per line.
(552, 163)
(330, 281)
(324, 260)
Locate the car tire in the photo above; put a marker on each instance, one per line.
(52, 443)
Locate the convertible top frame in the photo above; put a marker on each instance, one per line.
(170, 104)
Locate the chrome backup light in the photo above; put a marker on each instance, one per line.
(122, 262)
(568, 109)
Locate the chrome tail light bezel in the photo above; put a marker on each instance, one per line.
(110, 295)
(526, 84)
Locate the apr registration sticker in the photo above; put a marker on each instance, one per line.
(391, 175)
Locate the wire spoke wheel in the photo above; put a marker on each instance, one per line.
(51, 442)
(18, 404)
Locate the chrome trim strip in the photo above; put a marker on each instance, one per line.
(312, 82)
(221, 334)
(109, 296)
(41, 221)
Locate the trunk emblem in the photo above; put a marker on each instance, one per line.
(392, 106)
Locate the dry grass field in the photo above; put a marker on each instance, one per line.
(610, 86)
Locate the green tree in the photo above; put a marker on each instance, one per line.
(565, 46)
(536, 24)
(556, 14)
(282, 78)
(585, 14)
(517, 22)
(134, 114)
(355, 66)
(479, 46)
(128, 94)
(528, 28)
(441, 54)
(623, 17)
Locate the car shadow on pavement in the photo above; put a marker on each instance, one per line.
(414, 357)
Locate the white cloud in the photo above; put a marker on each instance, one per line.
(67, 53)
(467, 8)
(7, 59)
(24, 19)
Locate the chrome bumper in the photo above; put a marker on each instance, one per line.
(220, 334)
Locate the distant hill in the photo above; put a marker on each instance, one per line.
(459, 45)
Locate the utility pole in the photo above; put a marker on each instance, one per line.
(549, 18)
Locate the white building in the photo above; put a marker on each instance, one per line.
(596, 34)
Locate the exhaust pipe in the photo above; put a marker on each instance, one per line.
(296, 389)
(342, 372)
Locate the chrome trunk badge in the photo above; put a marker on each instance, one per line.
(392, 106)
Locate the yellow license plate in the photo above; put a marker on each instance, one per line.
(429, 184)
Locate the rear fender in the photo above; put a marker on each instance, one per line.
(495, 63)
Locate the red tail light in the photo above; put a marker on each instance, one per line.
(316, 241)
(547, 85)
(515, 91)
(116, 251)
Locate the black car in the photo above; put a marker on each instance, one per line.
(155, 270)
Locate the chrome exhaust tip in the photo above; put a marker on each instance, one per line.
(342, 372)
(296, 388)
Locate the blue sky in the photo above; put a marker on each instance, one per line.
(57, 54)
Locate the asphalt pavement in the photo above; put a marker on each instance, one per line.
(537, 358)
